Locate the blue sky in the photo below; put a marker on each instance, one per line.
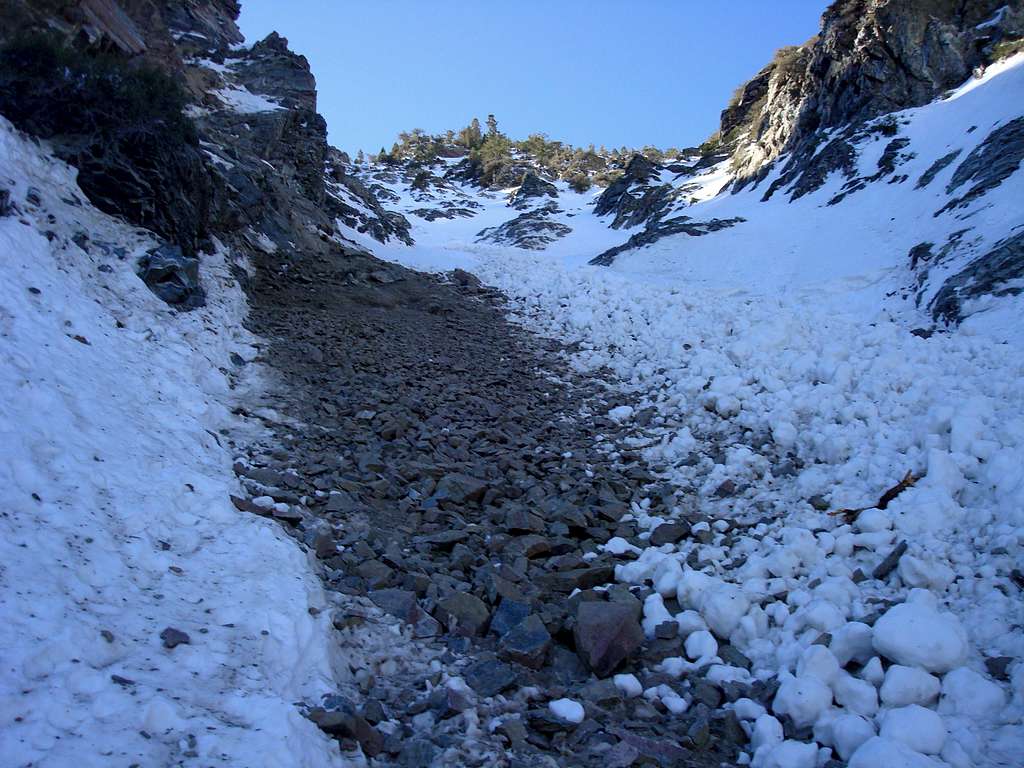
(607, 72)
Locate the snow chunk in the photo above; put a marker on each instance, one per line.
(965, 692)
(567, 709)
(856, 695)
(916, 634)
(802, 698)
(908, 685)
(621, 413)
(849, 732)
(701, 645)
(852, 642)
(919, 728)
(629, 685)
(878, 753)
(722, 607)
(791, 754)
(818, 661)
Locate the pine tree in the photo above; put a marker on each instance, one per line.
(492, 125)
(360, 157)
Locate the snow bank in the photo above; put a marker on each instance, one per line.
(116, 523)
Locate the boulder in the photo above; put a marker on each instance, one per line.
(172, 276)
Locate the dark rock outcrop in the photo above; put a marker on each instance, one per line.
(871, 57)
(531, 188)
(997, 273)
(659, 229)
(533, 230)
(989, 165)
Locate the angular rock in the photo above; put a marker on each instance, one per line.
(489, 677)
(606, 634)
(527, 643)
(464, 614)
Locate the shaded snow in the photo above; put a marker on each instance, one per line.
(116, 522)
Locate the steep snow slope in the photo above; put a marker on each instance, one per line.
(116, 522)
(777, 359)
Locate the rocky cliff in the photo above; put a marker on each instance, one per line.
(871, 57)
(245, 162)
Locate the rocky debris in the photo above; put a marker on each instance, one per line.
(172, 276)
(369, 216)
(343, 722)
(445, 479)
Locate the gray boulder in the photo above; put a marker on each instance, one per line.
(172, 276)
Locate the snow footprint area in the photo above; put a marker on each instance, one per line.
(142, 619)
(770, 417)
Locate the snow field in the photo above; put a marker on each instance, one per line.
(116, 522)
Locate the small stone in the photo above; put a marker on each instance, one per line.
(460, 489)
(888, 565)
(489, 677)
(667, 630)
(998, 667)
(463, 613)
(172, 638)
(669, 533)
(819, 503)
(727, 488)
(732, 657)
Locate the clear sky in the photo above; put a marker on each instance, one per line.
(607, 72)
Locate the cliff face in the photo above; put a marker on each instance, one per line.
(246, 165)
(870, 58)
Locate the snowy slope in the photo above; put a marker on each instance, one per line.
(116, 525)
(778, 359)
